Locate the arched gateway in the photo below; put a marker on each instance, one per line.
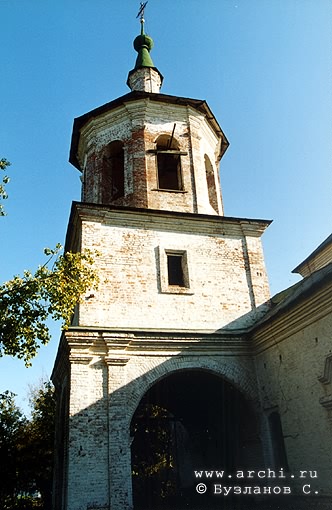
(156, 376)
(188, 422)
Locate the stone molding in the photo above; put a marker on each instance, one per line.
(171, 221)
(326, 402)
(119, 344)
(326, 377)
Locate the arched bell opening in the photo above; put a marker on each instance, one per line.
(169, 174)
(113, 186)
(189, 421)
(211, 183)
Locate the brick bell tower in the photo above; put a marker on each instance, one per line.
(180, 282)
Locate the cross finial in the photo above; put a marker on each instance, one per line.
(141, 13)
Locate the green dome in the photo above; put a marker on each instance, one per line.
(143, 44)
(143, 40)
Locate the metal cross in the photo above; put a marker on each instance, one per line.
(141, 10)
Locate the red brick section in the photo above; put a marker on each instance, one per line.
(136, 148)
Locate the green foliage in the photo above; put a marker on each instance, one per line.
(26, 502)
(42, 402)
(4, 163)
(27, 301)
(12, 426)
(26, 449)
(38, 450)
(153, 453)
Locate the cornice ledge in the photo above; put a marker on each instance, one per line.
(188, 345)
(116, 361)
(80, 359)
(82, 336)
(101, 213)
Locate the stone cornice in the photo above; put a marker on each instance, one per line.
(80, 359)
(171, 221)
(120, 345)
(119, 361)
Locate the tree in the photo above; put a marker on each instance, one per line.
(27, 451)
(52, 291)
(26, 302)
(4, 163)
(12, 426)
(37, 452)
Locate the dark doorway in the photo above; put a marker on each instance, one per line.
(189, 421)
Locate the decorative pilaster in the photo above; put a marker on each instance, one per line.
(119, 434)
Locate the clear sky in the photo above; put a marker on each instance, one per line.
(263, 66)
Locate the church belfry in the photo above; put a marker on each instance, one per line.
(150, 150)
(180, 281)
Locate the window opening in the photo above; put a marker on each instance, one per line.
(169, 171)
(175, 269)
(211, 183)
(113, 185)
(169, 163)
(280, 455)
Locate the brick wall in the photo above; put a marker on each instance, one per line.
(290, 361)
(226, 280)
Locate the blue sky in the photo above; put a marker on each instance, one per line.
(264, 67)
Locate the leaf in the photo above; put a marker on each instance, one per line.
(4, 163)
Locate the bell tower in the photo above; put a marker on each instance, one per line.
(180, 282)
(150, 150)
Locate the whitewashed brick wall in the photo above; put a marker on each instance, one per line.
(288, 370)
(227, 280)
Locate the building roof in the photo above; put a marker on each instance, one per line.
(320, 257)
(285, 300)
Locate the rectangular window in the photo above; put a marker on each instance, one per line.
(175, 269)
